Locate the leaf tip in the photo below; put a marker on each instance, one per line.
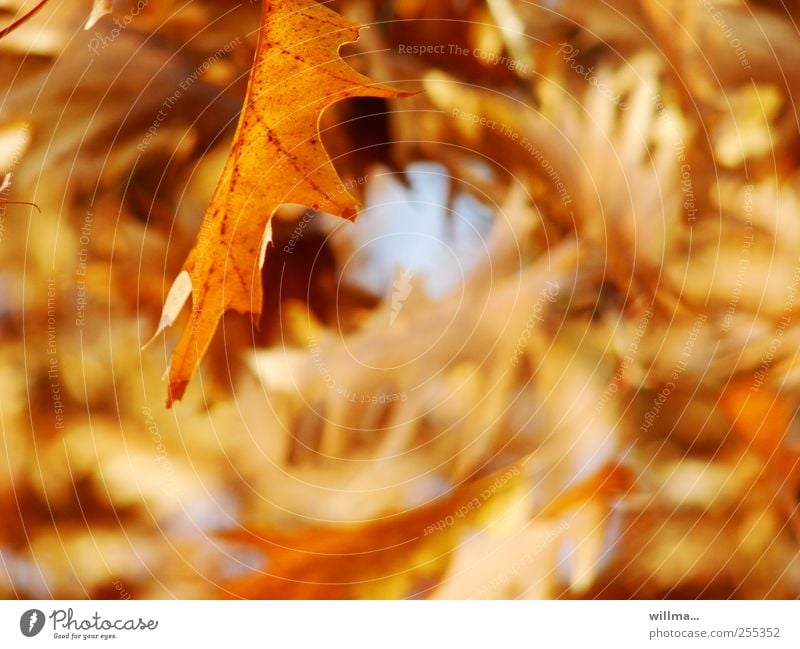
(176, 297)
(101, 8)
(175, 391)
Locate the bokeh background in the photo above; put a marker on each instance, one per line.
(555, 357)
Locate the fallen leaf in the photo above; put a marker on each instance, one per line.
(277, 157)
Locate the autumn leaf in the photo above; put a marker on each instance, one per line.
(277, 157)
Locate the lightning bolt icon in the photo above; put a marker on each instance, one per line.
(32, 620)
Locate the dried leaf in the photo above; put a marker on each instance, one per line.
(277, 157)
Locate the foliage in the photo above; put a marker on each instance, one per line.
(554, 356)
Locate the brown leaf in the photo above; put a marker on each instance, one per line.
(277, 157)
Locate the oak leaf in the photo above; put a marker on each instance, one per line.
(277, 157)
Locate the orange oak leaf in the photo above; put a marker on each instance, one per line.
(277, 157)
